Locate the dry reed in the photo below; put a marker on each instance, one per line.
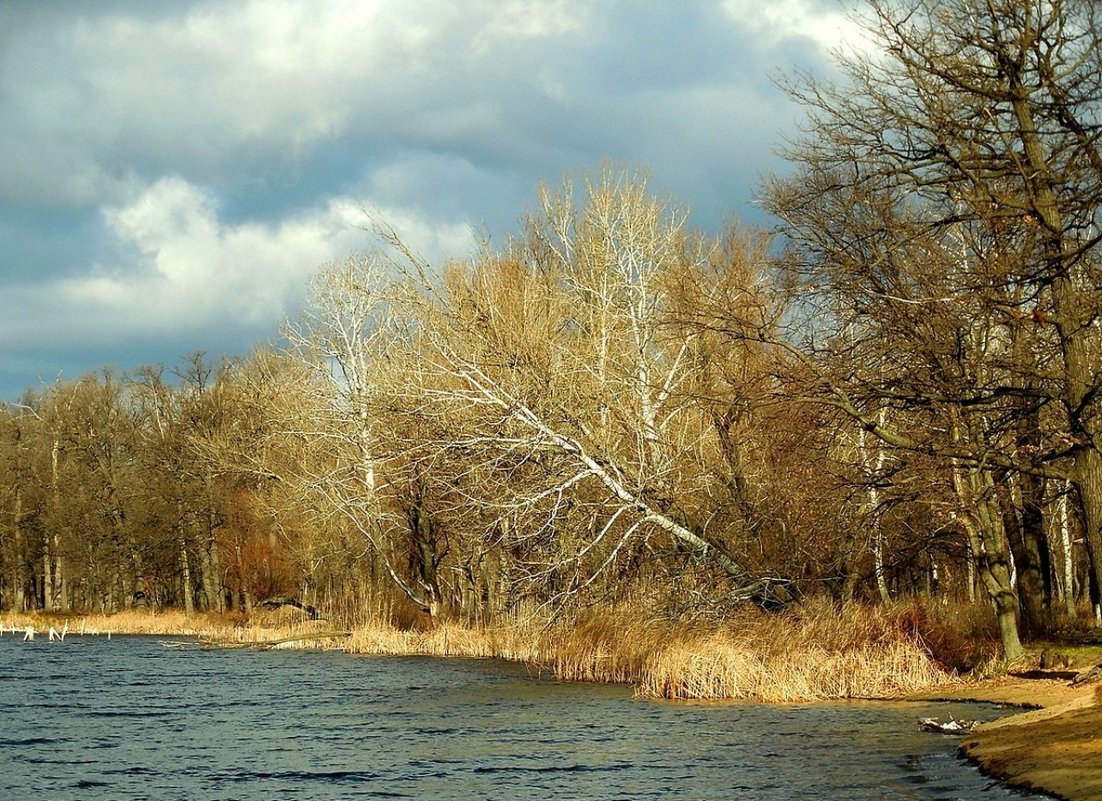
(609, 646)
(129, 621)
(723, 666)
(811, 652)
(518, 642)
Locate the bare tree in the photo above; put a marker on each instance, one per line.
(553, 368)
(947, 205)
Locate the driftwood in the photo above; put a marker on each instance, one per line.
(1054, 675)
(1076, 677)
(264, 645)
(948, 727)
(313, 635)
(1087, 676)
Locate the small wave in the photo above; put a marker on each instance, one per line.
(126, 713)
(351, 776)
(134, 770)
(102, 742)
(18, 741)
(551, 768)
(60, 759)
(88, 784)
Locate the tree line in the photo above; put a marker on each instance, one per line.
(894, 392)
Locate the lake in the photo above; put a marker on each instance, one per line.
(127, 718)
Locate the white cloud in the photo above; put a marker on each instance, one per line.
(191, 269)
(518, 21)
(774, 21)
(188, 270)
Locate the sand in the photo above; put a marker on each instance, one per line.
(1055, 748)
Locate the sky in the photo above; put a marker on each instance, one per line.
(173, 173)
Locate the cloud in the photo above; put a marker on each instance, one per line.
(181, 270)
(175, 171)
(93, 98)
(828, 26)
(97, 104)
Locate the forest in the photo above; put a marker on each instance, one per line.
(891, 393)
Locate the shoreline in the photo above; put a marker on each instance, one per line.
(1053, 746)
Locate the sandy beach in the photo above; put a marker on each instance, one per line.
(1055, 747)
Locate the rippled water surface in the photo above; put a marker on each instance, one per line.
(93, 719)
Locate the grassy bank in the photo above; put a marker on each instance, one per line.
(806, 654)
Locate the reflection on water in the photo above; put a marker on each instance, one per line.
(93, 719)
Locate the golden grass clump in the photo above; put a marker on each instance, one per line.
(128, 621)
(810, 653)
(518, 642)
(260, 626)
(133, 621)
(723, 666)
(612, 645)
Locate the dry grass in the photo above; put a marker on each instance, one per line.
(723, 666)
(169, 622)
(613, 645)
(811, 652)
(212, 626)
(518, 643)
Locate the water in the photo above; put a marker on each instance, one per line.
(93, 719)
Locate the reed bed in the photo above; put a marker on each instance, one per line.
(812, 652)
(169, 622)
(516, 642)
(608, 646)
(725, 666)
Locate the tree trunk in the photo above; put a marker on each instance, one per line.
(849, 567)
(47, 574)
(1067, 573)
(983, 524)
(213, 585)
(424, 556)
(1022, 522)
(61, 584)
(19, 580)
(50, 560)
(1088, 468)
(874, 466)
(1072, 316)
(185, 578)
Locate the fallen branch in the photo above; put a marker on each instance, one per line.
(272, 603)
(314, 635)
